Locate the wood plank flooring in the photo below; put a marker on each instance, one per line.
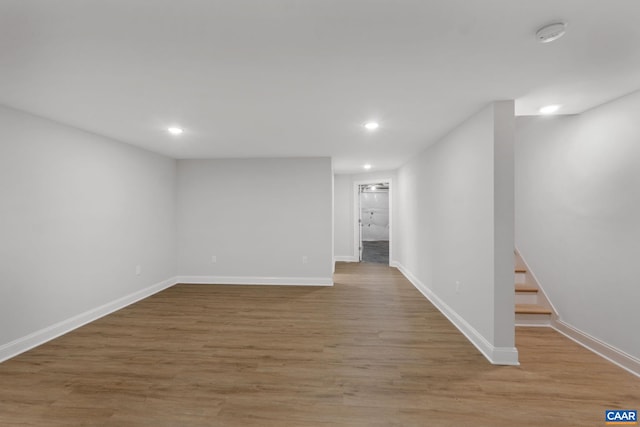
(370, 351)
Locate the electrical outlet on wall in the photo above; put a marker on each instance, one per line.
(305, 259)
(138, 270)
(214, 259)
(457, 287)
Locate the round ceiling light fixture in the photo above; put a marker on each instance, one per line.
(367, 166)
(371, 125)
(551, 32)
(174, 130)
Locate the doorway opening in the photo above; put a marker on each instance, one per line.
(373, 223)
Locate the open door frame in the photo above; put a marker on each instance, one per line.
(356, 215)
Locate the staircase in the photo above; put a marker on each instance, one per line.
(532, 308)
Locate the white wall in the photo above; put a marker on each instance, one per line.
(343, 217)
(78, 212)
(454, 228)
(259, 217)
(578, 216)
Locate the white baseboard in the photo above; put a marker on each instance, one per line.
(251, 280)
(394, 264)
(612, 354)
(40, 337)
(345, 258)
(495, 355)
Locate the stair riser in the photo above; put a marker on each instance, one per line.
(526, 298)
(521, 278)
(533, 319)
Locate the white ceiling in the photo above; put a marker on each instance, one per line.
(282, 78)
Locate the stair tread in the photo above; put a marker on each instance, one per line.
(531, 309)
(520, 270)
(525, 288)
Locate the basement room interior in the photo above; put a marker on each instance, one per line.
(356, 213)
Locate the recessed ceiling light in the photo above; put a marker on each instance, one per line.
(371, 125)
(367, 166)
(174, 130)
(549, 109)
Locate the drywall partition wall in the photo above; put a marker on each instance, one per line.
(343, 218)
(455, 228)
(577, 216)
(79, 213)
(264, 220)
(503, 225)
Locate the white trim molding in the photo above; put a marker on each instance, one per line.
(256, 280)
(495, 355)
(602, 349)
(20, 345)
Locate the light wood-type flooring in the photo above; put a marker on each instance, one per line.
(370, 351)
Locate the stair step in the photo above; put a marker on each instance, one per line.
(520, 276)
(525, 298)
(531, 309)
(525, 288)
(533, 319)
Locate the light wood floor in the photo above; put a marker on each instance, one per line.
(371, 351)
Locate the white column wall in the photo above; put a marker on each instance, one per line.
(343, 217)
(455, 228)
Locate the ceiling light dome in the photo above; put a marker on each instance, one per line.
(551, 32)
(371, 125)
(174, 130)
